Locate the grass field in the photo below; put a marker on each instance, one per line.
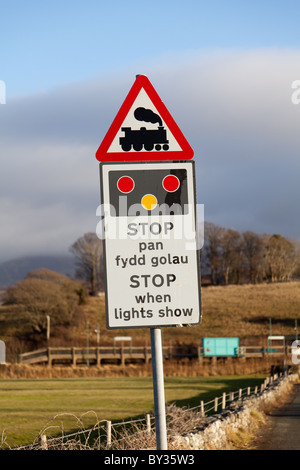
(27, 406)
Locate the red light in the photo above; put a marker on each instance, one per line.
(171, 183)
(125, 184)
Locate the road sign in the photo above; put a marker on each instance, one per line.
(143, 130)
(150, 246)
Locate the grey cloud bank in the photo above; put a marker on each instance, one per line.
(234, 108)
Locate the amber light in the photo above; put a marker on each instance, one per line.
(149, 202)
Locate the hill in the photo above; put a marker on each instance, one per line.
(16, 269)
(243, 311)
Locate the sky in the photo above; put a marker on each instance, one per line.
(226, 71)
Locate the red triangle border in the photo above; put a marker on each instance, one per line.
(102, 153)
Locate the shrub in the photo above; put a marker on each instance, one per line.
(44, 292)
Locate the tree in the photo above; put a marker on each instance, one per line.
(252, 248)
(213, 249)
(230, 243)
(296, 245)
(44, 292)
(280, 258)
(88, 251)
(229, 256)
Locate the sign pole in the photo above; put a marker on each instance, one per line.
(158, 389)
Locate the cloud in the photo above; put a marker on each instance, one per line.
(244, 129)
(234, 107)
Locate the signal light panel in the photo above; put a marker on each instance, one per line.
(148, 191)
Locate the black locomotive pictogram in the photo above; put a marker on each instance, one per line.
(148, 139)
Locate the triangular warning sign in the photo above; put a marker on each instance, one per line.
(143, 130)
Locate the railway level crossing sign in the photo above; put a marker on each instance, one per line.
(143, 129)
(149, 225)
(152, 261)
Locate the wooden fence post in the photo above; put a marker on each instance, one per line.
(122, 356)
(202, 408)
(148, 354)
(216, 404)
(108, 434)
(148, 423)
(43, 441)
(74, 357)
(98, 356)
(224, 401)
(49, 357)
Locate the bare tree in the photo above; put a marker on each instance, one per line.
(212, 244)
(88, 251)
(231, 255)
(296, 245)
(44, 292)
(253, 251)
(280, 257)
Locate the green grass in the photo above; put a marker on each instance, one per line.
(27, 406)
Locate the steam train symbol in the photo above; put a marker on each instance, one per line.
(148, 139)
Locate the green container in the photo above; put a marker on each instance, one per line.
(220, 347)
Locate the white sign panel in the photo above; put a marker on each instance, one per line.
(151, 252)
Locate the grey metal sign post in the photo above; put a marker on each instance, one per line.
(158, 389)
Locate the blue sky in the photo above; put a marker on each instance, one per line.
(224, 70)
(51, 43)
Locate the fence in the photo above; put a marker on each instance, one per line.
(97, 355)
(106, 429)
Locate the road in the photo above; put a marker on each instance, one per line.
(283, 429)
